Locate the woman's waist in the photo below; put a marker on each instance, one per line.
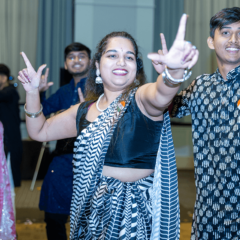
(140, 161)
(126, 174)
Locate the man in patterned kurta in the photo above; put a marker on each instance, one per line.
(212, 100)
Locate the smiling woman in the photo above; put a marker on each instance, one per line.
(111, 52)
(125, 185)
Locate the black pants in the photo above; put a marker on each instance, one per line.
(16, 159)
(55, 226)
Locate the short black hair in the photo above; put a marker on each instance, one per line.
(224, 17)
(4, 70)
(76, 47)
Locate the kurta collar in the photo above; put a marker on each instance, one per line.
(232, 75)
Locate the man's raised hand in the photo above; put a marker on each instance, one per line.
(44, 84)
(80, 95)
(29, 78)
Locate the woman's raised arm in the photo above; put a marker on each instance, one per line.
(58, 127)
(154, 98)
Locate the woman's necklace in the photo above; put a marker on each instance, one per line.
(100, 110)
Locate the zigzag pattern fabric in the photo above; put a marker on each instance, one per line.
(106, 208)
(89, 153)
(166, 217)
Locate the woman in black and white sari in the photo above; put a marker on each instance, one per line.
(125, 179)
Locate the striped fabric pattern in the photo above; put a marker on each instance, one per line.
(105, 208)
(166, 217)
(89, 153)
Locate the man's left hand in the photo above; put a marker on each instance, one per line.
(80, 94)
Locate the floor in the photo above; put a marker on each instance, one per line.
(30, 220)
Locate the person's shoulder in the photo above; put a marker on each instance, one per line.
(11, 88)
(65, 88)
(203, 78)
(206, 76)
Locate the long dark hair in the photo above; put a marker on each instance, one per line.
(93, 90)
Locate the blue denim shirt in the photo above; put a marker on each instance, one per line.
(56, 192)
(65, 97)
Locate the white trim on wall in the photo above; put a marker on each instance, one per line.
(122, 3)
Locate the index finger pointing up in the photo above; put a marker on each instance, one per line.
(182, 27)
(27, 62)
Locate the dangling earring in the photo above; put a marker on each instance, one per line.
(136, 82)
(98, 79)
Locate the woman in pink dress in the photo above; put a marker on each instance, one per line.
(7, 221)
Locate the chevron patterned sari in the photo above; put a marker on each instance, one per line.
(106, 208)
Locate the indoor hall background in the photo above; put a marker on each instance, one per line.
(42, 28)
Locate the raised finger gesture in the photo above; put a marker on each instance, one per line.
(29, 78)
(80, 94)
(159, 66)
(182, 54)
(44, 84)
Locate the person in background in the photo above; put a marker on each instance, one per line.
(56, 192)
(10, 118)
(213, 102)
(7, 219)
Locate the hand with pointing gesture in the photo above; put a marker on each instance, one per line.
(181, 55)
(159, 66)
(29, 78)
(44, 84)
(80, 95)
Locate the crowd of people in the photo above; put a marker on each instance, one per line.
(114, 169)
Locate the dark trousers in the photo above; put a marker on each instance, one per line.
(55, 226)
(16, 159)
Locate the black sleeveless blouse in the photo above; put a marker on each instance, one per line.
(135, 139)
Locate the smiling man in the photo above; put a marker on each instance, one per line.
(212, 100)
(56, 192)
(77, 62)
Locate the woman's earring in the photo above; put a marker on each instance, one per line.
(98, 79)
(136, 82)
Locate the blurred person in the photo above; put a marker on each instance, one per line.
(7, 220)
(56, 192)
(9, 116)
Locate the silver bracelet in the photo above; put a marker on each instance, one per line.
(166, 75)
(33, 115)
(169, 83)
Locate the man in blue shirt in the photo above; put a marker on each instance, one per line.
(56, 192)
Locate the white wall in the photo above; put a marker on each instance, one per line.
(96, 18)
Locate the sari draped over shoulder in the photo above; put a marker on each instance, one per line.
(106, 208)
(7, 220)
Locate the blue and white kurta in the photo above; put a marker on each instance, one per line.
(213, 105)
